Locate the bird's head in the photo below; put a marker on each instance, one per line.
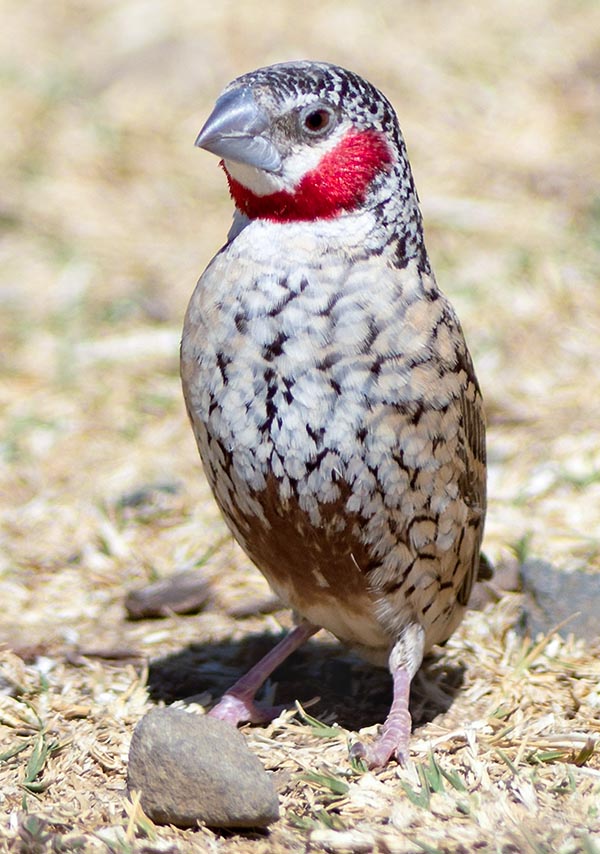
(305, 141)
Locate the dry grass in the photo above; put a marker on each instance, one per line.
(108, 216)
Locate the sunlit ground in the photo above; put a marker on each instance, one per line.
(109, 215)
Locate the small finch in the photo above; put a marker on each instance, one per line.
(328, 383)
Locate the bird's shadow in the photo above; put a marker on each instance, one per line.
(353, 693)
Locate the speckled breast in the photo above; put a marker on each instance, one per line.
(334, 458)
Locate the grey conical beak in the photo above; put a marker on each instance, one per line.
(233, 131)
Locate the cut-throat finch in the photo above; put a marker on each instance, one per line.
(328, 382)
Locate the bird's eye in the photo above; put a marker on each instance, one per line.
(317, 120)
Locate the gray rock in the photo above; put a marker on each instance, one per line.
(552, 595)
(191, 768)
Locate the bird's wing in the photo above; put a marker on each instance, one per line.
(473, 483)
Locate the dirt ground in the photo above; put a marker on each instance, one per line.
(108, 216)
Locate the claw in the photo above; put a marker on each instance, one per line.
(394, 737)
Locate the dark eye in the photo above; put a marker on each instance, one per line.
(317, 120)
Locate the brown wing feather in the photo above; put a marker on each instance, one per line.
(473, 484)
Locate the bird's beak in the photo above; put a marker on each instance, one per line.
(233, 131)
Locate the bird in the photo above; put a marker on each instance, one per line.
(329, 387)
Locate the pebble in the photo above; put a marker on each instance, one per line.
(192, 769)
(552, 596)
(184, 592)
(549, 597)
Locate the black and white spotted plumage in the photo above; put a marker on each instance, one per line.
(330, 388)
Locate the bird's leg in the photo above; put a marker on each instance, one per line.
(237, 704)
(395, 732)
(405, 659)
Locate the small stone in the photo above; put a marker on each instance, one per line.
(491, 585)
(552, 596)
(184, 592)
(193, 769)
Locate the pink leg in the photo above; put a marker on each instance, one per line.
(237, 705)
(395, 733)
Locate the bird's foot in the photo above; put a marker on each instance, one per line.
(378, 753)
(394, 737)
(238, 710)
(237, 705)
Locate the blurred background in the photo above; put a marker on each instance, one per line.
(109, 215)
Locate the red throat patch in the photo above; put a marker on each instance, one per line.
(339, 183)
